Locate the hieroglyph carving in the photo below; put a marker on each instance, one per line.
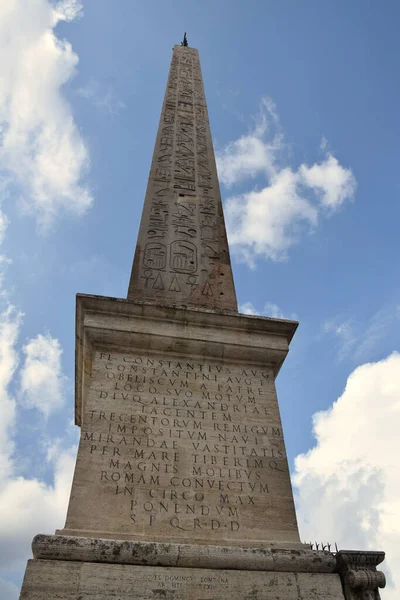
(183, 215)
(155, 256)
(183, 257)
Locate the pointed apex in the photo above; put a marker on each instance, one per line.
(184, 42)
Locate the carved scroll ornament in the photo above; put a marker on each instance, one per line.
(360, 578)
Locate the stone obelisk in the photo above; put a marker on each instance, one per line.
(182, 254)
(182, 488)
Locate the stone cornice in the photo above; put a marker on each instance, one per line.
(122, 324)
(60, 547)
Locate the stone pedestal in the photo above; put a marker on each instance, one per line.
(68, 568)
(181, 488)
(181, 437)
(78, 568)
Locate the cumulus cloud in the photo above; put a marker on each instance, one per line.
(43, 161)
(31, 504)
(254, 152)
(10, 323)
(266, 221)
(332, 183)
(348, 485)
(42, 152)
(42, 380)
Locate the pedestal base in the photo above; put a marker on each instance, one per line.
(67, 580)
(74, 568)
(83, 568)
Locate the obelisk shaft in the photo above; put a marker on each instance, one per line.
(182, 254)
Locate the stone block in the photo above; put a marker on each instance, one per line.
(181, 437)
(61, 580)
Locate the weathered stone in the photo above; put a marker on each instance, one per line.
(55, 579)
(182, 254)
(181, 438)
(181, 555)
(360, 577)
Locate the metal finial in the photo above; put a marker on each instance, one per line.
(184, 42)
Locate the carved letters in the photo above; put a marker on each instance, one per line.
(182, 445)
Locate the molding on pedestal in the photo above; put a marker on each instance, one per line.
(118, 323)
(81, 549)
(360, 578)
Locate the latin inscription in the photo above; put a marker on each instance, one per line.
(182, 445)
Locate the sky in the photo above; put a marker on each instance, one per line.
(303, 103)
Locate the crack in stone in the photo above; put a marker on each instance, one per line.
(179, 555)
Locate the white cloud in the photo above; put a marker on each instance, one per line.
(247, 309)
(29, 504)
(68, 10)
(251, 154)
(363, 340)
(270, 310)
(43, 160)
(42, 380)
(332, 183)
(32, 507)
(379, 326)
(102, 97)
(10, 323)
(344, 333)
(267, 221)
(348, 485)
(273, 310)
(42, 151)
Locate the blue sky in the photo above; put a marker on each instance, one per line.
(303, 103)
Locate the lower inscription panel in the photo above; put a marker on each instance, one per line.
(46, 580)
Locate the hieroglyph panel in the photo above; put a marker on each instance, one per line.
(182, 255)
(182, 449)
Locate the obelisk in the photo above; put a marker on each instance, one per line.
(195, 448)
(181, 487)
(182, 254)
